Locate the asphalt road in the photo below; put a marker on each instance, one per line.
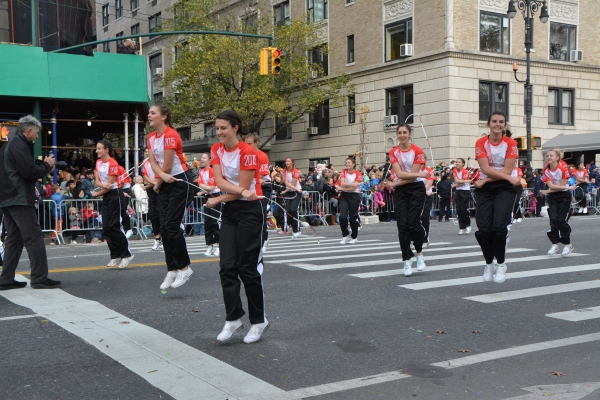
(344, 323)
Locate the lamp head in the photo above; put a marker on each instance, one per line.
(512, 10)
(515, 67)
(544, 14)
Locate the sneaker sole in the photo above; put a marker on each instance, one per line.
(128, 262)
(499, 281)
(187, 279)
(409, 274)
(232, 335)
(421, 269)
(260, 337)
(38, 286)
(488, 280)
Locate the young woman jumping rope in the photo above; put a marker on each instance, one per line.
(174, 194)
(495, 195)
(106, 174)
(350, 180)
(582, 178)
(265, 180)
(208, 184)
(559, 203)
(426, 216)
(292, 195)
(407, 160)
(462, 183)
(237, 173)
(150, 180)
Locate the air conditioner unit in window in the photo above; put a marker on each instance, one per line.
(312, 131)
(390, 120)
(576, 55)
(158, 71)
(406, 50)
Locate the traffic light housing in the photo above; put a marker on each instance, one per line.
(264, 61)
(536, 142)
(521, 143)
(275, 61)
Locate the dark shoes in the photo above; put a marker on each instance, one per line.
(47, 284)
(14, 285)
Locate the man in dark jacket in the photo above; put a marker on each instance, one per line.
(88, 183)
(540, 199)
(18, 174)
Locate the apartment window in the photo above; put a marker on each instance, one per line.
(349, 1)
(563, 39)
(158, 97)
(350, 49)
(399, 101)
(283, 129)
(120, 41)
(494, 33)
(155, 62)
(154, 22)
(209, 130)
(318, 55)
(135, 4)
(185, 133)
(282, 13)
(118, 8)
(135, 29)
(105, 15)
(493, 96)
(179, 48)
(106, 47)
(351, 109)
(561, 103)
(320, 119)
(397, 34)
(317, 10)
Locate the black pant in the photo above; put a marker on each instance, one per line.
(211, 225)
(241, 258)
(349, 203)
(409, 202)
(493, 215)
(426, 217)
(267, 190)
(173, 199)
(112, 230)
(540, 202)
(559, 204)
(278, 213)
(462, 208)
(153, 211)
(517, 207)
(581, 192)
(444, 208)
(23, 229)
(291, 210)
(124, 204)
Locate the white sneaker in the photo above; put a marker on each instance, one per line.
(216, 252)
(488, 272)
(468, 230)
(553, 250)
(169, 279)
(157, 245)
(295, 235)
(408, 268)
(129, 234)
(230, 329)
(514, 221)
(567, 250)
(500, 275)
(345, 240)
(113, 262)
(209, 250)
(580, 211)
(585, 210)
(353, 241)
(426, 245)
(256, 332)
(73, 241)
(461, 232)
(519, 219)
(421, 263)
(125, 261)
(182, 277)
(264, 248)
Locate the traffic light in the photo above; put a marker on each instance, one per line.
(521, 143)
(275, 61)
(264, 61)
(536, 142)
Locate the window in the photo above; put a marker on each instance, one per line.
(350, 49)
(320, 119)
(209, 130)
(155, 62)
(118, 8)
(154, 22)
(563, 39)
(318, 55)
(282, 13)
(135, 4)
(105, 15)
(283, 129)
(158, 97)
(120, 41)
(179, 48)
(349, 1)
(106, 47)
(317, 10)
(135, 29)
(492, 97)
(494, 33)
(351, 109)
(396, 35)
(399, 101)
(185, 133)
(560, 106)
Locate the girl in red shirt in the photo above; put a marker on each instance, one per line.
(582, 178)
(350, 180)
(292, 195)
(208, 184)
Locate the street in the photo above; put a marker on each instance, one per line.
(345, 323)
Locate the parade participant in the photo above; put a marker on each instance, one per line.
(106, 173)
(292, 197)
(559, 203)
(236, 171)
(517, 214)
(350, 180)
(166, 158)
(426, 216)
(495, 195)
(124, 183)
(265, 180)
(462, 193)
(407, 160)
(582, 178)
(208, 184)
(150, 180)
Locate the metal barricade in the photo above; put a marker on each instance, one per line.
(593, 203)
(72, 219)
(312, 207)
(140, 216)
(49, 217)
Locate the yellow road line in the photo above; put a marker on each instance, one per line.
(101, 267)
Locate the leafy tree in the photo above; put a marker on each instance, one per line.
(215, 72)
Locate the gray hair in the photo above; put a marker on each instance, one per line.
(139, 178)
(28, 122)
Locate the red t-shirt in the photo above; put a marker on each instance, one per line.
(581, 174)
(555, 176)
(206, 176)
(431, 176)
(147, 170)
(123, 179)
(351, 177)
(241, 158)
(263, 165)
(496, 154)
(169, 140)
(106, 169)
(463, 174)
(289, 176)
(406, 158)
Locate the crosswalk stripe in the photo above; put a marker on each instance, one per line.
(357, 247)
(311, 267)
(288, 245)
(509, 261)
(581, 314)
(534, 292)
(510, 275)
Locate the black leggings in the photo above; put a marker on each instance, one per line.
(112, 229)
(349, 203)
(426, 217)
(291, 210)
(462, 208)
(559, 204)
(409, 203)
(211, 225)
(517, 208)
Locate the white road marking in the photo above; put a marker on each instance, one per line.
(182, 371)
(569, 391)
(510, 275)
(533, 292)
(299, 263)
(19, 317)
(358, 247)
(581, 314)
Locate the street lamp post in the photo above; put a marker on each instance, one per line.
(528, 8)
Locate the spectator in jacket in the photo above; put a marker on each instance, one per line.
(444, 189)
(540, 199)
(88, 183)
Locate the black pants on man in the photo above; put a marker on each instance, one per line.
(112, 229)
(23, 229)
(426, 217)
(462, 208)
(409, 202)
(349, 203)
(559, 205)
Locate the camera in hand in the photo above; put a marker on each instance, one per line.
(59, 165)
